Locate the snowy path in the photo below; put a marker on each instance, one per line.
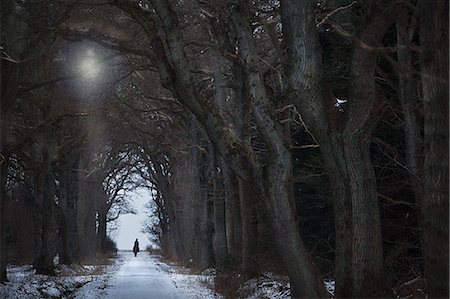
(145, 276)
(140, 277)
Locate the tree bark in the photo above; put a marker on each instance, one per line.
(168, 196)
(69, 204)
(63, 248)
(44, 264)
(102, 228)
(220, 234)
(434, 34)
(367, 249)
(408, 97)
(205, 209)
(85, 208)
(232, 211)
(249, 234)
(11, 26)
(335, 163)
(3, 260)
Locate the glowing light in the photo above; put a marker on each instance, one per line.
(89, 66)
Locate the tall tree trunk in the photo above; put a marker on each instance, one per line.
(305, 281)
(249, 226)
(204, 249)
(169, 198)
(69, 184)
(220, 235)
(434, 34)
(63, 248)
(204, 218)
(367, 248)
(102, 228)
(85, 208)
(4, 158)
(44, 263)
(409, 100)
(9, 84)
(333, 154)
(3, 261)
(232, 211)
(171, 201)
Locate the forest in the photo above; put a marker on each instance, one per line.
(308, 138)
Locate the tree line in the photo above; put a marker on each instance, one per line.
(307, 134)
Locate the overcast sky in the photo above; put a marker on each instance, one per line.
(130, 225)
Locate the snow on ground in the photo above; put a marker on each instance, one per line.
(23, 283)
(190, 286)
(85, 282)
(329, 285)
(272, 286)
(267, 286)
(97, 286)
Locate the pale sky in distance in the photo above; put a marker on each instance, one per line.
(130, 225)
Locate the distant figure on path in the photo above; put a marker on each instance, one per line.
(136, 247)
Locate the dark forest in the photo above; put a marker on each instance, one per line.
(305, 138)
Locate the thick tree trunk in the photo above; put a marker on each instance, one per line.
(203, 254)
(85, 209)
(63, 248)
(172, 248)
(9, 83)
(70, 188)
(205, 209)
(367, 247)
(435, 205)
(220, 235)
(44, 263)
(3, 261)
(408, 97)
(168, 195)
(67, 202)
(172, 251)
(102, 229)
(204, 237)
(232, 211)
(249, 227)
(4, 158)
(333, 154)
(305, 282)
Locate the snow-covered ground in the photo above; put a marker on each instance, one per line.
(23, 283)
(272, 286)
(144, 276)
(267, 286)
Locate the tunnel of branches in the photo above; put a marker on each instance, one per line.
(297, 138)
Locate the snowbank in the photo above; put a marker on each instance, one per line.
(23, 283)
(192, 286)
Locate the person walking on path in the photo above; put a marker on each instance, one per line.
(136, 247)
